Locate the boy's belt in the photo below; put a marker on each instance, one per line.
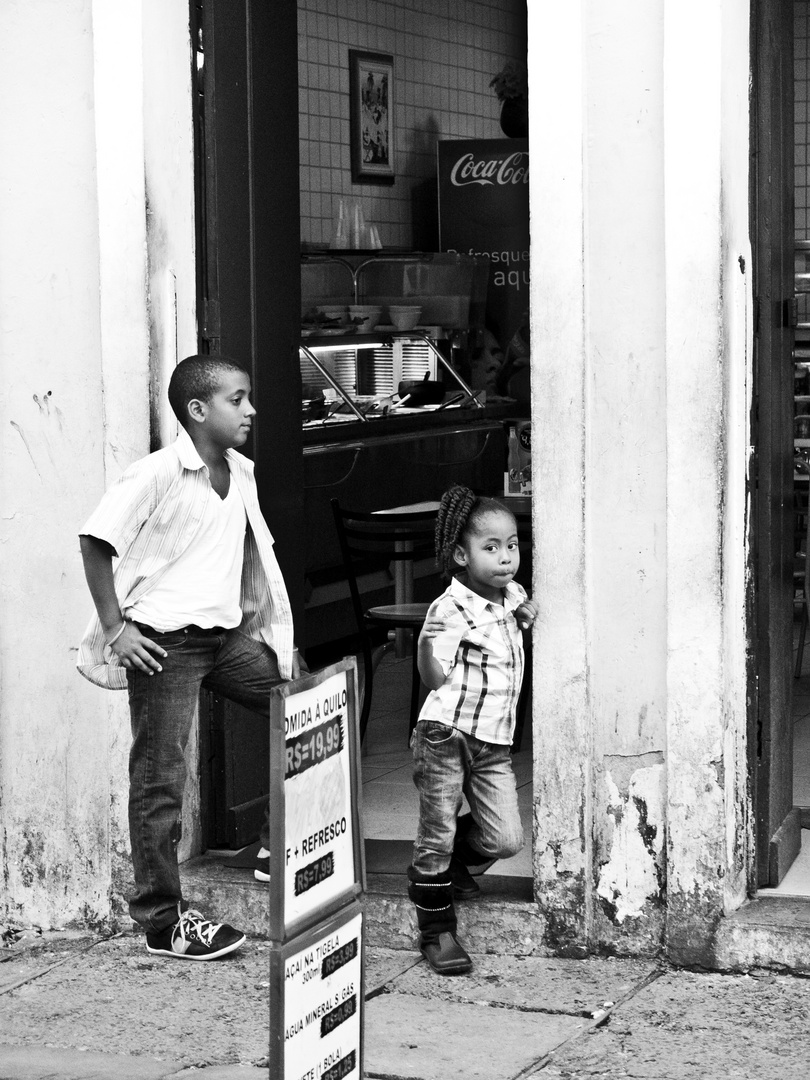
(151, 630)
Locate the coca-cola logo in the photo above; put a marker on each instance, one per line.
(490, 171)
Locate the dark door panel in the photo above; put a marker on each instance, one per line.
(240, 741)
(248, 251)
(770, 675)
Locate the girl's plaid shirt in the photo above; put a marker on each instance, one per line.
(481, 653)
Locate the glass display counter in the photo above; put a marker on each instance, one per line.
(380, 374)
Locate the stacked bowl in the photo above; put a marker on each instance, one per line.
(333, 312)
(364, 317)
(404, 316)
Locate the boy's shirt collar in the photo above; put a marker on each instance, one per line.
(188, 454)
(187, 451)
(512, 596)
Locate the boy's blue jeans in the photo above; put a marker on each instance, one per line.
(447, 765)
(162, 708)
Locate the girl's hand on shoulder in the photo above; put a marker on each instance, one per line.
(526, 613)
(430, 670)
(433, 627)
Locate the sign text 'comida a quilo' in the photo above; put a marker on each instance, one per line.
(324, 707)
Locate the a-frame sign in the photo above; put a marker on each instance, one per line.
(317, 878)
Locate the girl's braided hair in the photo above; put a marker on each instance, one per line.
(459, 509)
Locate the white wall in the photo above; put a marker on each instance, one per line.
(445, 54)
(74, 403)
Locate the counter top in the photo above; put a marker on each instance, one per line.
(421, 420)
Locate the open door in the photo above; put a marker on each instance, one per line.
(249, 305)
(778, 831)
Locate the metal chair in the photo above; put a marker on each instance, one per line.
(370, 542)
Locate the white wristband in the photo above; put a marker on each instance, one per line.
(118, 633)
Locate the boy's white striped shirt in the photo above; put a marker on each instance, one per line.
(149, 516)
(481, 652)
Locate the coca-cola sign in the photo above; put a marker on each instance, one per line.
(484, 209)
(469, 169)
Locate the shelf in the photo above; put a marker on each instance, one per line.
(401, 425)
(378, 338)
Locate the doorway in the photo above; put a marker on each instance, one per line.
(254, 210)
(777, 723)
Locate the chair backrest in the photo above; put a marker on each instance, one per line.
(375, 540)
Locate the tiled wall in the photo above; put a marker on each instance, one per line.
(801, 41)
(445, 53)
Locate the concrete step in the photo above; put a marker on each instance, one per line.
(503, 919)
(768, 932)
(225, 894)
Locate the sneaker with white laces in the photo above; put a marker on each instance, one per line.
(194, 938)
(262, 871)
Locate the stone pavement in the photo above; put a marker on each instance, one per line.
(74, 1007)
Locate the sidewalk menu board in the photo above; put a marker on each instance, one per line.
(317, 979)
(484, 210)
(316, 840)
(317, 878)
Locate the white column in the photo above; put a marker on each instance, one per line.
(562, 731)
(639, 143)
(708, 405)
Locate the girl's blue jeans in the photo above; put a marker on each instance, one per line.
(447, 766)
(162, 708)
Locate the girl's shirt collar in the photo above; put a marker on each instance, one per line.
(513, 597)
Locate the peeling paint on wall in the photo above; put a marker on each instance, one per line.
(631, 874)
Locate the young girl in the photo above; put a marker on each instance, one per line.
(471, 659)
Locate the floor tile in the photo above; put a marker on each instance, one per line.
(406, 1037)
(393, 759)
(522, 768)
(390, 812)
(373, 772)
(531, 983)
(796, 881)
(402, 775)
(384, 965)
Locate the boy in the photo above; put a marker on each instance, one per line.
(196, 600)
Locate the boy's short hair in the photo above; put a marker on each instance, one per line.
(198, 377)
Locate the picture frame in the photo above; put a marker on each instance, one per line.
(372, 99)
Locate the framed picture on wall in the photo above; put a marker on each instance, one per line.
(371, 80)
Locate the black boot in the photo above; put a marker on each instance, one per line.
(432, 894)
(467, 855)
(464, 884)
